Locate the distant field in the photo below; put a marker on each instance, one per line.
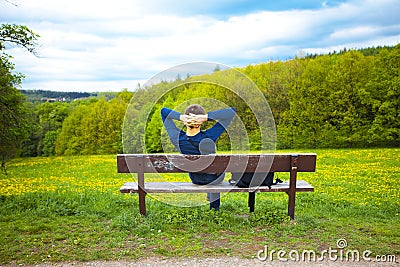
(69, 209)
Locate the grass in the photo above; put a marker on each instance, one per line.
(69, 209)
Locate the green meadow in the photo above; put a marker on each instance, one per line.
(57, 209)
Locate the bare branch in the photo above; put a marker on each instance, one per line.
(14, 4)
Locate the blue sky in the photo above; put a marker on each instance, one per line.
(95, 45)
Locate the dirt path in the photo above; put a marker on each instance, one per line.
(205, 262)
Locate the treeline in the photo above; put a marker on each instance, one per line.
(346, 99)
(89, 126)
(42, 95)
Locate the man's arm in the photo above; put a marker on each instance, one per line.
(167, 113)
(223, 117)
(168, 116)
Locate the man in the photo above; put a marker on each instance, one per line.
(196, 141)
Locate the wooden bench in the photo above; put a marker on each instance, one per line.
(175, 163)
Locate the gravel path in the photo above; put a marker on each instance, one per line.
(205, 262)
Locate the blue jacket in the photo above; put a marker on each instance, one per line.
(204, 141)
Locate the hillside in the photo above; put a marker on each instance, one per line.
(52, 96)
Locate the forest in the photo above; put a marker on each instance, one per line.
(346, 99)
(44, 95)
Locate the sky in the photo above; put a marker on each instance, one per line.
(96, 45)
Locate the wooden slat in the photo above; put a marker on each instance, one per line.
(187, 187)
(170, 163)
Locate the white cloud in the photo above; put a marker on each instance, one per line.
(102, 45)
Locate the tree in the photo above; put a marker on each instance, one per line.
(49, 142)
(92, 129)
(51, 117)
(349, 113)
(305, 123)
(12, 112)
(13, 123)
(384, 91)
(71, 139)
(29, 147)
(153, 131)
(18, 35)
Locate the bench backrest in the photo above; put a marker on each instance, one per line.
(216, 163)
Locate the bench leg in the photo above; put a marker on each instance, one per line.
(252, 200)
(291, 204)
(142, 202)
(292, 186)
(142, 193)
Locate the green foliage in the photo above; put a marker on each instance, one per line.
(49, 142)
(383, 94)
(153, 131)
(71, 139)
(19, 35)
(51, 117)
(13, 122)
(93, 129)
(337, 99)
(13, 118)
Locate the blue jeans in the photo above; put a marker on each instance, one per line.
(209, 178)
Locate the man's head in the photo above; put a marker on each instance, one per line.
(195, 109)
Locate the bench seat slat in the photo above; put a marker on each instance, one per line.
(216, 163)
(187, 187)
